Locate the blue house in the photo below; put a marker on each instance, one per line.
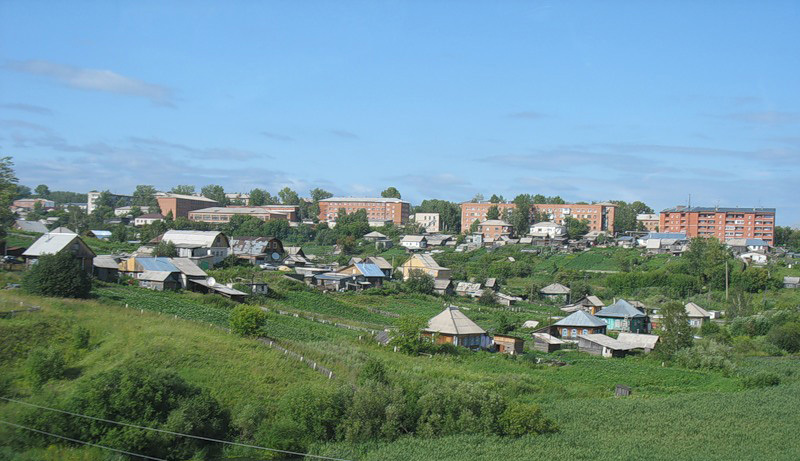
(622, 316)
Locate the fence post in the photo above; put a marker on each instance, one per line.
(330, 375)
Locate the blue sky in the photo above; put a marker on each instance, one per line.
(442, 99)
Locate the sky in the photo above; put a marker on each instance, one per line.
(592, 101)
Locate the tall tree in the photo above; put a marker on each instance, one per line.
(449, 213)
(288, 196)
(493, 212)
(318, 194)
(8, 189)
(496, 198)
(576, 228)
(477, 198)
(521, 215)
(145, 195)
(258, 197)
(676, 333)
(183, 189)
(22, 191)
(215, 192)
(391, 192)
(42, 191)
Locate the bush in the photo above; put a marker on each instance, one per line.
(761, 379)
(487, 298)
(57, 275)
(419, 282)
(706, 355)
(247, 320)
(43, 365)
(525, 418)
(80, 337)
(786, 336)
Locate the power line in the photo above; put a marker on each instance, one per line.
(82, 442)
(198, 437)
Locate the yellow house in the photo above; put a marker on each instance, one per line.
(426, 264)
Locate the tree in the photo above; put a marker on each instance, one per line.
(135, 212)
(43, 365)
(21, 191)
(183, 189)
(786, 336)
(474, 226)
(408, 336)
(258, 197)
(119, 233)
(247, 320)
(449, 213)
(419, 282)
(288, 196)
(521, 215)
(493, 212)
(318, 194)
(215, 193)
(8, 190)
(57, 275)
(391, 192)
(477, 198)
(165, 249)
(145, 195)
(42, 191)
(676, 333)
(625, 215)
(576, 228)
(487, 298)
(496, 199)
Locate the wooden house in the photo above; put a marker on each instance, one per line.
(443, 286)
(367, 274)
(53, 243)
(426, 264)
(590, 304)
(508, 344)
(258, 250)
(622, 316)
(555, 292)
(577, 323)
(106, 267)
(697, 315)
(206, 248)
(452, 326)
(546, 342)
(606, 346)
(159, 280)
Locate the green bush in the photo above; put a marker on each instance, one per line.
(43, 365)
(57, 275)
(80, 337)
(525, 418)
(419, 282)
(786, 336)
(706, 355)
(247, 320)
(761, 379)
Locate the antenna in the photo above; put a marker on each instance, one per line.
(690, 202)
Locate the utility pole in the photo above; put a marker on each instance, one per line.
(726, 281)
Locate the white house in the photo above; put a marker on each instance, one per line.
(548, 229)
(414, 242)
(203, 247)
(146, 219)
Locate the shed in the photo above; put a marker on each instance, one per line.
(791, 282)
(606, 346)
(203, 286)
(508, 344)
(546, 343)
(106, 267)
(159, 280)
(639, 341)
(443, 286)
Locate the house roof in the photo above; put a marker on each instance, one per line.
(428, 262)
(491, 282)
(188, 267)
(62, 230)
(253, 246)
(468, 287)
(620, 309)
(191, 238)
(294, 251)
(101, 233)
(412, 238)
(607, 341)
(379, 261)
(580, 319)
(452, 321)
(664, 235)
(156, 276)
(151, 216)
(220, 288)
(546, 224)
(693, 310)
(788, 279)
(547, 338)
(530, 324)
(441, 284)
(369, 270)
(159, 264)
(51, 244)
(682, 209)
(741, 242)
(30, 226)
(375, 234)
(106, 262)
(187, 197)
(639, 341)
(555, 289)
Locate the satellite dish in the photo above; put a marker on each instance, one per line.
(276, 256)
(211, 281)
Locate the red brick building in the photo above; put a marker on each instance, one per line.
(600, 216)
(722, 223)
(181, 205)
(378, 209)
(495, 228)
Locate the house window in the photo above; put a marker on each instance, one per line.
(585, 331)
(565, 332)
(574, 332)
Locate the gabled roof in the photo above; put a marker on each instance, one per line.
(375, 234)
(253, 246)
(608, 341)
(638, 340)
(156, 276)
(52, 243)
(491, 282)
(580, 319)
(30, 226)
(191, 238)
(555, 289)
(427, 261)
(188, 267)
(620, 309)
(219, 288)
(546, 224)
(547, 338)
(106, 262)
(441, 284)
(412, 238)
(379, 261)
(693, 310)
(452, 321)
(62, 230)
(158, 264)
(369, 270)
(294, 251)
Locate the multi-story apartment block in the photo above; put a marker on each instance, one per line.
(91, 200)
(377, 209)
(722, 223)
(428, 221)
(180, 205)
(220, 214)
(600, 216)
(650, 221)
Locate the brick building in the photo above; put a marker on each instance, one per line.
(650, 221)
(495, 228)
(181, 205)
(722, 223)
(378, 209)
(219, 214)
(600, 215)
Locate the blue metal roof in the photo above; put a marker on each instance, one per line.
(370, 270)
(620, 309)
(664, 235)
(580, 319)
(157, 264)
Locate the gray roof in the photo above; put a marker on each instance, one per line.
(62, 230)
(220, 288)
(379, 261)
(664, 235)
(608, 341)
(30, 226)
(51, 244)
(452, 321)
(364, 199)
(156, 276)
(638, 340)
(693, 310)
(788, 279)
(547, 338)
(555, 289)
(581, 319)
(188, 267)
(428, 261)
(412, 238)
(253, 246)
(468, 287)
(494, 222)
(441, 284)
(741, 242)
(682, 209)
(620, 309)
(106, 262)
(191, 238)
(375, 234)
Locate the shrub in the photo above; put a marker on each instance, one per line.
(487, 298)
(57, 275)
(786, 336)
(525, 418)
(761, 379)
(754, 325)
(707, 355)
(247, 320)
(373, 370)
(419, 282)
(43, 365)
(80, 337)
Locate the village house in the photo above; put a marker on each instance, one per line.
(600, 344)
(374, 236)
(206, 248)
(437, 240)
(745, 245)
(577, 323)
(757, 259)
(505, 344)
(258, 250)
(623, 316)
(453, 327)
(443, 287)
(295, 257)
(494, 229)
(379, 261)
(697, 315)
(641, 341)
(548, 229)
(106, 267)
(414, 242)
(468, 289)
(426, 264)
(147, 219)
(30, 226)
(368, 275)
(591, 304)
(51, 243)
(555, 292)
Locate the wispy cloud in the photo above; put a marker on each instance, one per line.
(222, 153)
(277, 136)
(95, 80)
(344, 134)
(770, 117)
(30, 108)
(526, 115)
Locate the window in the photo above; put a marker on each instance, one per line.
(574, 332)
(565, 332)
(585, 331)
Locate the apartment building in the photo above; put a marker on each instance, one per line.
(378, 209)
(428, 221)
(180, 205)
(93, 196)
(722, 223)
(650, 221)
(219, 214)
(600, 216)
(494, 229)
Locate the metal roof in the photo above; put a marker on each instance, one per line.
(555, 289)
(251, 245)
(638, 340)
(452, 321)
(580, 319)
(220, 288)
(664, 235)
(741, 242)
(620, 309)
(412, 238)
(104, 233)
(375, 234)
(51, 244)
(364, 199)
(693, 310)
(547, 338)
(683, 209)
(607, 341)
(106, 262)
(370, 270)
(30, 226)
(159, 264)
(427, 261)
(191, 238)
(157, 276)
(379, 261)
(188, 267)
